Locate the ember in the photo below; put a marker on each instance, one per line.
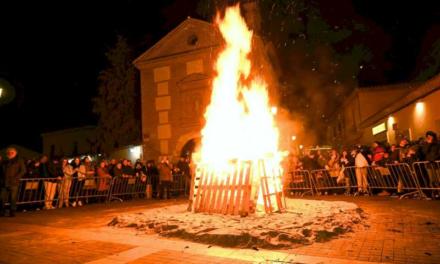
(239, 166)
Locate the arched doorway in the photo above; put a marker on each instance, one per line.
(187, 144)
(189, 148)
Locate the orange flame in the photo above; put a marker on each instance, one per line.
(239, 120)
(240, 123)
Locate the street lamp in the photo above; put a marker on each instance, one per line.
(293, 138)
(7, 92)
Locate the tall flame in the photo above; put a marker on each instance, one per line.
(239, 120)
(240, 127)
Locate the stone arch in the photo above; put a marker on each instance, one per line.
(184, 139)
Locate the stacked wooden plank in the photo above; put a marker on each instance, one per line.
(235, 191)
(272, 189)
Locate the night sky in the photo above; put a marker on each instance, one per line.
(52, 51)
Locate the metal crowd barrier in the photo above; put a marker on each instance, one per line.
(179, 184)
(427, 174)
(88, 189)
(335, 181)
(422, 179)
(37, 190)
(127, 188)
(299, 182)
(399, 177)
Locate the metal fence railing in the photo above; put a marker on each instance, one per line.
(399, 177)
(53, 192)
(422, 180)
(299, 182)
(127, 188)
(37, 190)
(180, 184)
(334, 181)
(427, 175)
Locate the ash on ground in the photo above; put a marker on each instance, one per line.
(305, 222)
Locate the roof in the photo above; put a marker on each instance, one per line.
(69, 130)
(207, 36)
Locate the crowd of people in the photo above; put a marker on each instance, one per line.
(378, 154)
(66, 179)
(427, 149)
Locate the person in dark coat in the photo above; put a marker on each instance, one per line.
(165, 178)
(153, 177)
(49, 173)
(431, 149)
(430, 152)
(13, 170)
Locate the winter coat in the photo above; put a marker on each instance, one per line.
(13, 171)
(165, 172)
(378, 153)
(117, 172)
(127, 171)
(360, 160)
(103, 178)
(68, 172)
(47, 171)
(431, 152)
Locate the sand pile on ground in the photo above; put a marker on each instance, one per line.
(305, 222)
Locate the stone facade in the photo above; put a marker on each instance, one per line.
(176, 75)
(175, 87)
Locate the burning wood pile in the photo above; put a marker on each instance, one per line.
(238, 165)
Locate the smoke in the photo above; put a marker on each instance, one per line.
(294, 48)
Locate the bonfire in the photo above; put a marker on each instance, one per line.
(238, 169)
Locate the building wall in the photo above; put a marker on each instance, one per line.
(413, 120)
(132, 152)
(175, 93)
(64, 141)
(176, 75)
(346, 125)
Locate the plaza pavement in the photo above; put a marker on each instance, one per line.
(399, 231)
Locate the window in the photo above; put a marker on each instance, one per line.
(192, 40)
(379, 129)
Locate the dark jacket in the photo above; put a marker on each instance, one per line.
(117, 173)
(47, 171)
(431, 152)
(127, 171)
(310, 163)
(13, 171)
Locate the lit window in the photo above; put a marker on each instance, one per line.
(379, 129)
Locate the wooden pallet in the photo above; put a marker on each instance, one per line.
(235, 192)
